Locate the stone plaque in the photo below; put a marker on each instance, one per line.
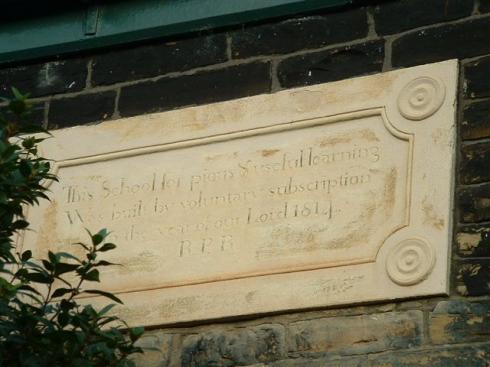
(330, 194)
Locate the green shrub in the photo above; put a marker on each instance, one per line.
(41, 323)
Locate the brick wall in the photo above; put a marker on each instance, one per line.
(267, 57)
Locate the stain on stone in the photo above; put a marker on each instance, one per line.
(269, 152)
(431, 217)
(143, 262)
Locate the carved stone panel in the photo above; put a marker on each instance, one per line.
(331, 194)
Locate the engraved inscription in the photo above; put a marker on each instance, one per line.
(296, 199)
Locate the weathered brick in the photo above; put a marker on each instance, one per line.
(474, 203)
(239, 347)
(458, 40)
(322, 362)
(300, 34)
(459, 322)
(398, 16)
(476, 121)
(356, 334)
(477, 75)
(157, 350)
(81, 109)
(48, 78)
(475, 163)
(473, 277)
(473, 241)
(153, 60)
(330, 65)
(465, 356)
(205, 87)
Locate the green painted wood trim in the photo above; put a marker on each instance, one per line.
(96, 26)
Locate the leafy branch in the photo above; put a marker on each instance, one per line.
(41, 322)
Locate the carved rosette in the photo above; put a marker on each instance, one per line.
(410, 262)
(421, 98)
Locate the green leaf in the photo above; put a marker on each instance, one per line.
(34, 265)
(28, 288)
(17, 94)
(105, 294)
(103, 232)
(61, 292)
(97, 239)
(107, 246)
(63, 318)
(106, 309)
(20, 224)
(136, 333)
(39, 278)
(21, 273)
(6, 286)
(25, 169)
(62, 268)
(53, 257)
(66, 306)
(26, 255)
(48, 265)
(92, 276)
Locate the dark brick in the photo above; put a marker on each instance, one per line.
(477, 74)
(81, 109)
(356, 334)
(201, 88)
(43, 79)
(153, 60)
(331, 65)
(474, 203)
(484, 6)
(401, 15)
(465, 356)
(300, 34)
(473, 241)
(476, 121)
(473, 277)
(475, 163)
(459, 322)
(460, 40)
(239, 347)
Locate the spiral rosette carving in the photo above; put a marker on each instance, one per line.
(410, 262)
(421, 98)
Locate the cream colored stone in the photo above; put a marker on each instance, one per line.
(330, 194)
